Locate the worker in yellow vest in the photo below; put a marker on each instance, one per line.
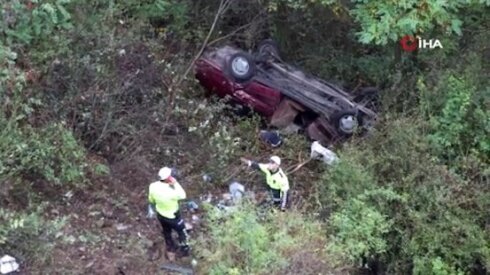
(276, 179)
(164, 196)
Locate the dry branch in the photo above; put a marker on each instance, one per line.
(223, 6)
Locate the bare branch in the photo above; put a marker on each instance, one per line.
(223, 6)
(253, 21)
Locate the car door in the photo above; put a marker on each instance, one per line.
(213, 79)
(259, 97)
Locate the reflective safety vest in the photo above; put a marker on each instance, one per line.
(277, 180)
(166, 198)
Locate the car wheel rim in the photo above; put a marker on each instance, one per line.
(348, 124)
(240, 66)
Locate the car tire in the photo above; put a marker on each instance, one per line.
(268, 48)
(346, 122)
(241, 66)
(368, 97)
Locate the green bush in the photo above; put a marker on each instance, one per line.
(463, 126)
(27, 234)
(50, 153)
(360, 231)
(392, 202)
(169, 14)
(436, 267)
(25, 24)
(245, 241)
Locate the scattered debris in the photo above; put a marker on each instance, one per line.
(188, 226)
(94, 213)
(8, 264)
(237, 191)
(69, 194)
(121, 227)
(207, 178)
(321, 153)
(192, 206)
(195, 219)
(271, 138)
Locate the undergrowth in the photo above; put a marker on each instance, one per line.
(245, 240)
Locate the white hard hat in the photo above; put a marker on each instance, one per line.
(164, 173)
(276, 160)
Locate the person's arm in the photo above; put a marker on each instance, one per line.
(181, 195)
(255, 165)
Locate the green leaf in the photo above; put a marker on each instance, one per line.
(456, 26)
(365, 37)
(23, 36)
(63, 11)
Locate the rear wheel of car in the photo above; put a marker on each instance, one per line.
(268, 48)
(241, 66)
(345, 122)
(368, 97)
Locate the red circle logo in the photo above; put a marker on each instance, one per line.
(409, 43)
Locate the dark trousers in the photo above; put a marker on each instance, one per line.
(176, 224)
(276, 197)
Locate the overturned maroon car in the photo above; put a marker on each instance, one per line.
(283, 94)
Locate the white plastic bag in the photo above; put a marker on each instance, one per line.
(321, 153)
(151, 213)
(8, 264)
(237, 191)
